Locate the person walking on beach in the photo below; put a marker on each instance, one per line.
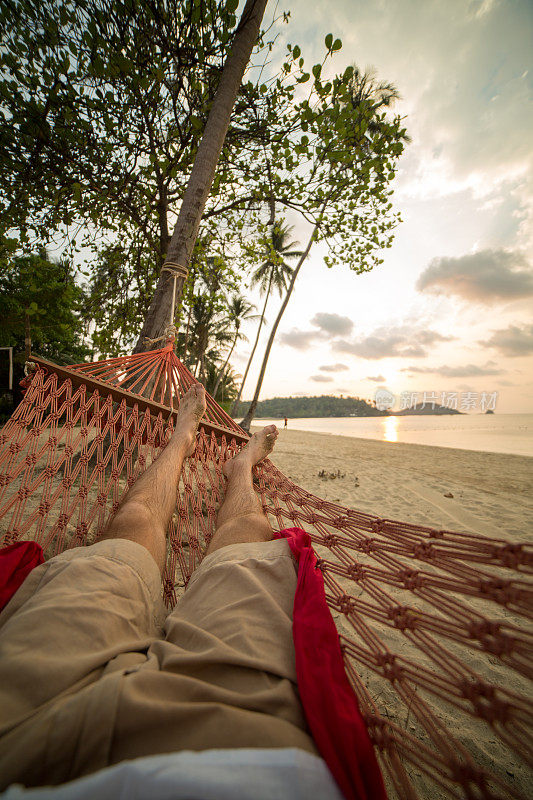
(286, 420)
(203, 701)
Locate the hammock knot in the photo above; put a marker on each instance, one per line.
(330, 540)
(52, 441)
(483, 697)
(411, 578)
(356, 572)
(511, 555)
(142, 460)
(62, 522)
(403, 617)
(424, 551)
(36, 431)
(378, 731)
(49, 472)
(81, 532)
(346, 604)
(498, 589)
(14, 448)
(320, 564)
(23, 493)
(377, 525)
(67, 482)
(130, 480)
(83, 492)
(434, 534)
(368, 546)
(5, 479)
(391, 670)
(44, 508)
(338, 522)
(491, 637)
(101, 499)
(84, 459)
(168, 588)
(115, 474)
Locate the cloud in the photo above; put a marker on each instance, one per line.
(376, 378)
(328, 326)
(467, 371)
(487, 276)
(333, 324)
(300, 340)
(512, 341)
(334, 367)
(321, 378)
(401, 341)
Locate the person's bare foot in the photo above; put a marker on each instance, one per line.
(256, 449)
(190, 411)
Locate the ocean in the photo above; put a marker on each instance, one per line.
(494, 433)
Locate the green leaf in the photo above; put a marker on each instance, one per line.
(337, 44)
(296, 52)
(329, 40)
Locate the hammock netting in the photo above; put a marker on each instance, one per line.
(434, 625)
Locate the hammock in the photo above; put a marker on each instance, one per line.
(416, 608)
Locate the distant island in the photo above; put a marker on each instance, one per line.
(323, 406)
(427, 409)
(329, 406)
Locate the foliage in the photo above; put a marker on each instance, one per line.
(274, 272)
(42, 294)
(102, 106)
(323, 406)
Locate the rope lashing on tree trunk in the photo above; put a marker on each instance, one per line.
(178, 271)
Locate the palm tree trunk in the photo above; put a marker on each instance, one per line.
(247, 421)
(221, 373)
(241, 387)
(203, 172)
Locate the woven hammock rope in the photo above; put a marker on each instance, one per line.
(435, 625)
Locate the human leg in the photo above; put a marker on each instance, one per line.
(144, 514)
(241, 517)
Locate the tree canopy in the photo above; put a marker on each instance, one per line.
(40, 297)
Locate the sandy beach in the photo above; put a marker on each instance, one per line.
(491, 496)
(492, 492)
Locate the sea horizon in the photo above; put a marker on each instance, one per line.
(492, 433)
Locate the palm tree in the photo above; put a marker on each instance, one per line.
(202, 173)
(239, 310)
(363, 89)
(272, 273)
(208, 332)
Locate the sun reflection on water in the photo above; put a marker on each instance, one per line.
(390, 429)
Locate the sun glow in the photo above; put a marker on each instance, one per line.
(390, 429)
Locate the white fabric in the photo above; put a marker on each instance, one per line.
(244, 774)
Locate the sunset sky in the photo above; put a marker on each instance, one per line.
(451, 307)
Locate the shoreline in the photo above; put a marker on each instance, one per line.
(491, 492)
(470, 433)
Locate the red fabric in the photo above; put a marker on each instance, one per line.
(329, 702)
(16, 562)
